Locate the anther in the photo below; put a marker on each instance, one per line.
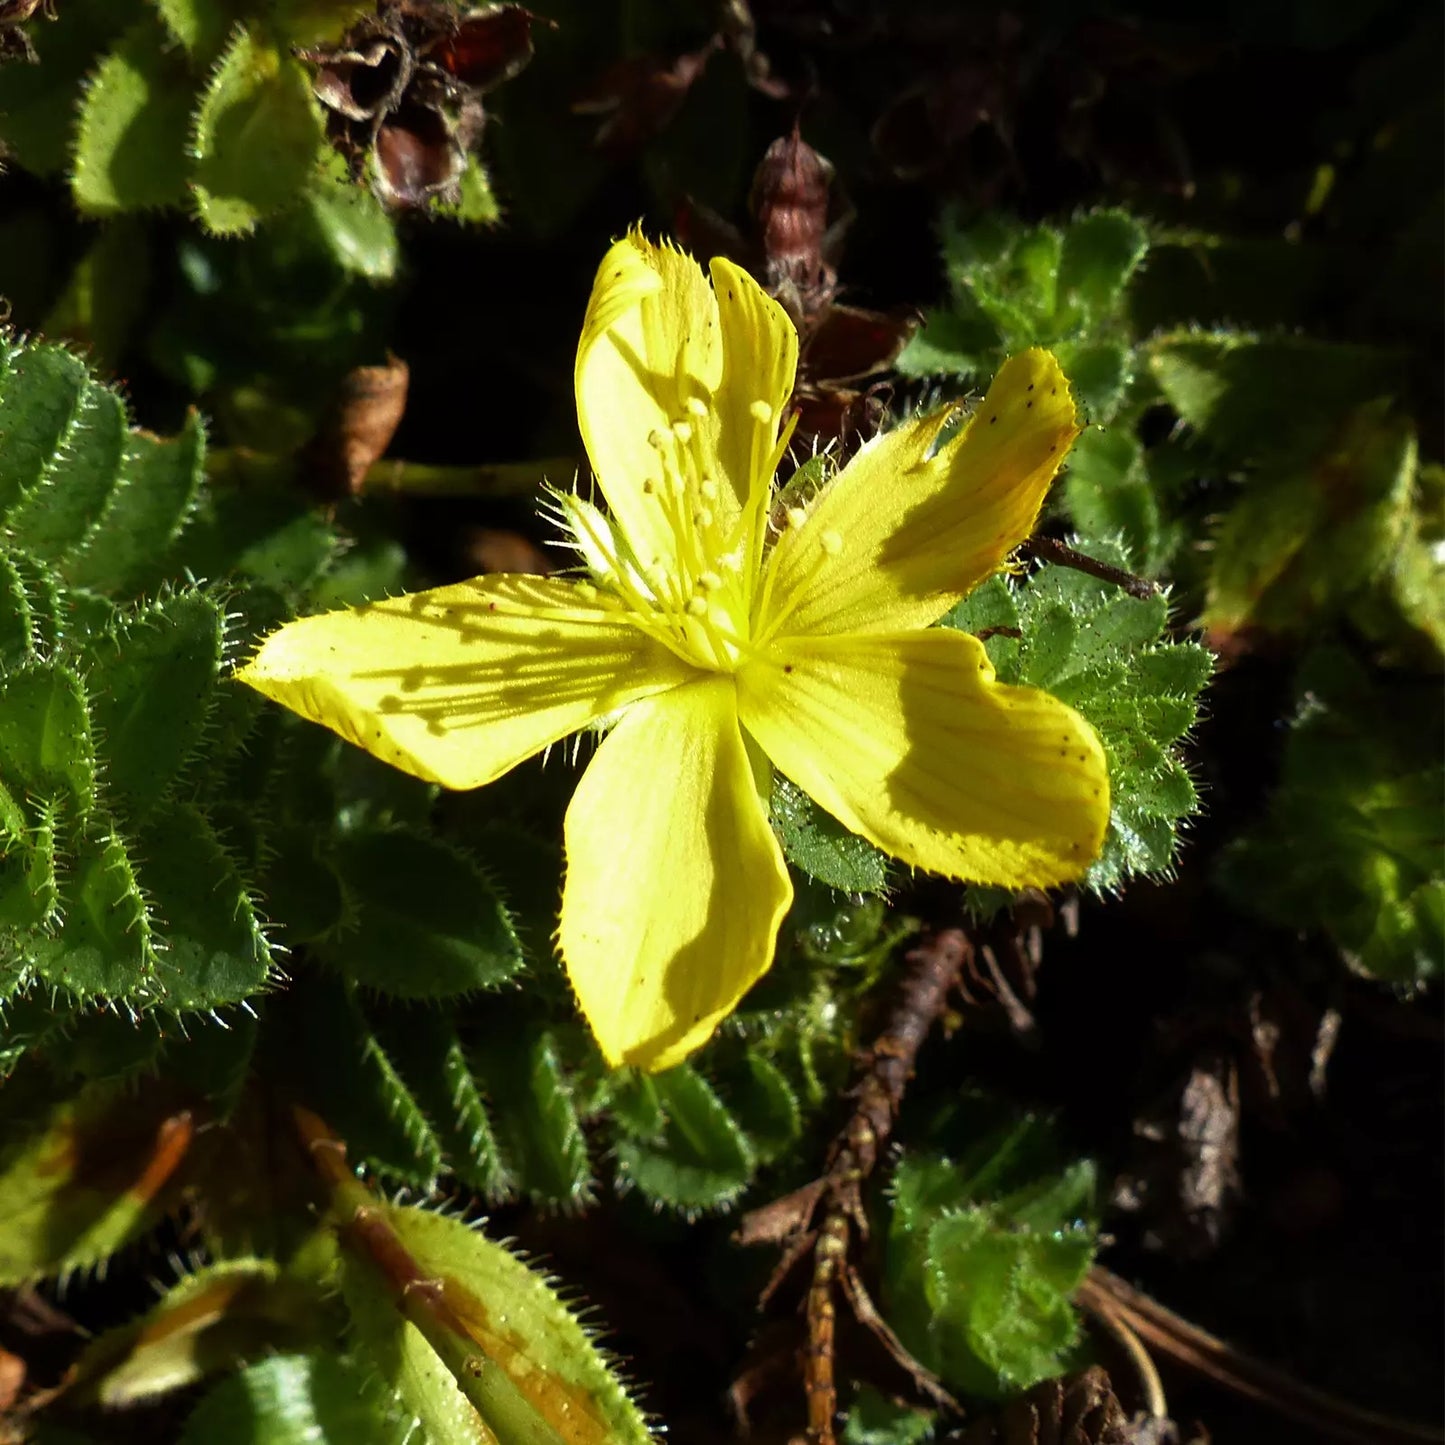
(703, 518)
(708, 582)
(697, 406)
(682, 431)
(707, 489)
(796, 517)
(696, 606)
(649, 486)
(831, 543)
(760, 412)
(654, 439)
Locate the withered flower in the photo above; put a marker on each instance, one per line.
(14, 42)
(403, 90)
(797, 232)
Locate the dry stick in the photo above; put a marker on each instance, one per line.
(934, 967)
(1048, 550)
(1104, 1293)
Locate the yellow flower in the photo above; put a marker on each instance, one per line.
(722, 633)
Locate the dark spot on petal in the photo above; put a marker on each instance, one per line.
(787, 667)
(491, 606)
(1053, 391)
(1028, 404)
(1031, 386)
(991, 420)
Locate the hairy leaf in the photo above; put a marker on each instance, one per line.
(426, 921)
(1106, 654)
(489, 1352)
(80, 1179)
(317, 1399)
(1352, 842)
(130, 150)
(821, 846)
(700, 1159)
(257, 138)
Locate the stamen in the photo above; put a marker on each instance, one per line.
(796, 517)
(697, 406)
(697, 607)
(761, 412)
(682, 431)
(831, 543)
(709, 582)
(707, 489)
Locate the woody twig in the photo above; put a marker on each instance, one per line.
(823, 1218)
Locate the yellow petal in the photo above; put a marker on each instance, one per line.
(904, 531)
(675, 883)
(459, 684)
(909, 741)
(660, 350)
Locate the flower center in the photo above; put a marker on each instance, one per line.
(698, 598)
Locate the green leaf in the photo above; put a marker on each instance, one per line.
(270, 536)
(38, 101)
(1099, 374)
(107, 295)
(158, 489)
(200, 25)
(535, 1113)
(1301, 543)
(1103, 653)
(1225, 385)
(504, 1355)
(1108, 493)
(130, 149)
(213, 950)
(152, 683)
(45, 741)
(1002, 1320)
(979, 1280)
(476, 204)
(213, 1057)
(81, 1179)
(79, 461)
(951, 343)
(875, 1420)
(29, 886)
(764, 1104)
(1100, 253)
(29, 610)
(701, 1160)
(1352, 843)
(300, 886)
(426, 922)
(258, 136)
(77, 487)
(353, 225)
(105, 944)
(43, 389)
(323, 1044)
(821, 846)
(427, 1053)
(213, 1320)
(102, 1046)
(319, 1399)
